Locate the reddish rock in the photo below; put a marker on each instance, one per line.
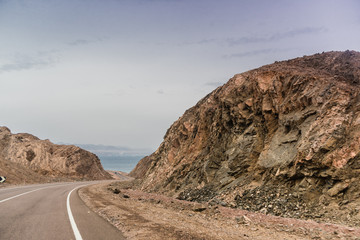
(48, 159)
(279, 124)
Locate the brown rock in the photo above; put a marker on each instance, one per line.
(116, 191)
(337, 188)
(280, 123)
(243, 220)
(199, 208)
(46, 158)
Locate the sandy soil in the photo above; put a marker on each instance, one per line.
(141, 215)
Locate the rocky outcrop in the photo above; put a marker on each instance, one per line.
(142, 167)
(48, 159)
(294, 124)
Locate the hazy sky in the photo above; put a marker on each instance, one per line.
(120, 72)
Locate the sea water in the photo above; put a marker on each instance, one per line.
(119, 163)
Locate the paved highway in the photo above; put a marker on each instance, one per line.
(50, 211)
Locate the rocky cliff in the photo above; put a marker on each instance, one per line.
(26, 153)
(280, 139)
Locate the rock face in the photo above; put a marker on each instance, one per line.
(294, 124)
(49, 159)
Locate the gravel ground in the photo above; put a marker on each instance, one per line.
(141, 215)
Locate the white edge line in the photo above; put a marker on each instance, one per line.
(71, 217)
(7, 199)
(42, 186)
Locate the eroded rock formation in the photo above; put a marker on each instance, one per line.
(294, 124)
(48, 159)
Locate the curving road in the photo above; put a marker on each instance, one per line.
(50, 211)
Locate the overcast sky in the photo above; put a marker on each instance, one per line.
(120, 72)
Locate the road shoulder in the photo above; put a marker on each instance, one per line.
(87, 219)
(142, 215)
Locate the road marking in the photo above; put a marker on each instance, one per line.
(7, 199)
(71, 218)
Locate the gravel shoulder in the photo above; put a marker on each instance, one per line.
(141, 215)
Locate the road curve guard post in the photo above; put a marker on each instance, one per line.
(2, 179)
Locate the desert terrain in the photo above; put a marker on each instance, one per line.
(141, 215)
(272, 154)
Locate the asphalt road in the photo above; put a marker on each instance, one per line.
(50, 211)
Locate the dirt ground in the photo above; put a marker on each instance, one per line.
(141, 215)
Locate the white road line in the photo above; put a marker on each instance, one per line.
(71, 218)
(35, 185)
(7, 199)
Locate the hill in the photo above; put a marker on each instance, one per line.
(25, 158)
(282, 139)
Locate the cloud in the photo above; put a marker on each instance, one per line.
(201, 42)
(160, 91)
(275, 36)
(249, 53)
(255, 52)
(41, 59)
(160, 1)
(25, 62)
(117, 93)
(258, 38)
(81, 42)
(78, 42)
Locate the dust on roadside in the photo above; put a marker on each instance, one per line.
(141, 215)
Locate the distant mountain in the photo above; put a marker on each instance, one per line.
(116, 158)
(108, 150)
